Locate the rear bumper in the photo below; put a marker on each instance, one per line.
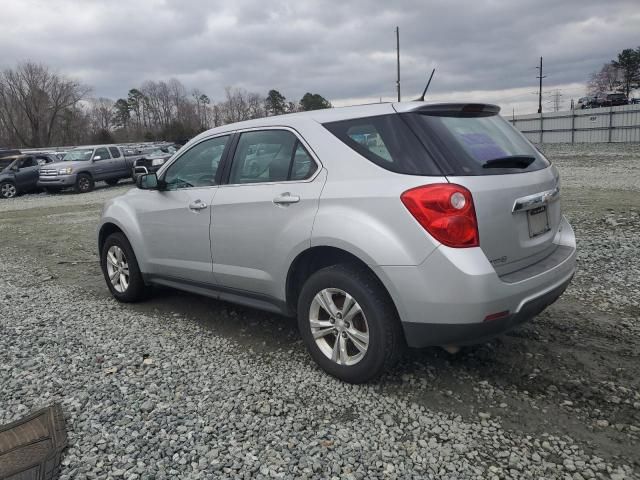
(426, 334)
(446, 299)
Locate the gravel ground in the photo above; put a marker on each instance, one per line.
(182, 386)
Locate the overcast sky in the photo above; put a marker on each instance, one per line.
(484, 50)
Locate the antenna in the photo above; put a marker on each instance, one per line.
(398, 60)
(424, 92)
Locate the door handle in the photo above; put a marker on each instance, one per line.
(197, 205)
(286, 198)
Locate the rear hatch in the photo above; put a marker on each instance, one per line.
(515, 189)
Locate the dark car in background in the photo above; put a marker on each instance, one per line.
(152, 159)
(586, 102)
(611, 99)
(19, 173)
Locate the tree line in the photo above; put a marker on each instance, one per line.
(40, 108)
(620, 75)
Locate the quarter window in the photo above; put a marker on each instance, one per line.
(270, 156)
(386, 141)
(115, 153)
(198, 166)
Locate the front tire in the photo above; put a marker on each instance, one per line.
(120, 269)
(8, 190)
(84, 183)
(349, 323)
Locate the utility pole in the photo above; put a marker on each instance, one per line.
(540, 89)
(398, 59)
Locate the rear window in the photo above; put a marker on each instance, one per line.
(475, 144)
(387, 141)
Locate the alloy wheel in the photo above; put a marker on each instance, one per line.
(117, 269)
(339, 326)
(8, 190)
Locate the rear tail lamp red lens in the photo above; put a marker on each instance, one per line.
(446, 211)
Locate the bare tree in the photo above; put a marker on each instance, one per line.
(102, 113)
(240, 105)
(32, 99)
(607, 79)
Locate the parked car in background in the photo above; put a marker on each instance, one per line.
(81, 167)
(611, 99)
(586, 102)
(343, 218)
(152, 160)
(19, 174)
(635, 101)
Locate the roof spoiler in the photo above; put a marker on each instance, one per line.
(458, 109)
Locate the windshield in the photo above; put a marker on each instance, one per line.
(78, 155)
(477, 145)
(5, 162)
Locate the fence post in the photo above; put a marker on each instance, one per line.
(610, 122)
(573, 124)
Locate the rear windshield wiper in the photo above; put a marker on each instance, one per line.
(514, 161)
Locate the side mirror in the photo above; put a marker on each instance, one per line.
(97, 157)
(148, 181)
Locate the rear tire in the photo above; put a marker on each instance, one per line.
(84, 183)
(120, 269)
(112, 181)
(8, 190)
(372, 339)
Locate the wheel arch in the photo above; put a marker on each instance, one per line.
(313, 259)
(119, 219)
(105, 230)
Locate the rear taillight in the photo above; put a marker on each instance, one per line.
(445, 210)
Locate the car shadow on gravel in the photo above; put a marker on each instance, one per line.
(97, 187)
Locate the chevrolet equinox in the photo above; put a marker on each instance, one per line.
(378, 226)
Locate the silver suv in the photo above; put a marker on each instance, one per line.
(378, 226)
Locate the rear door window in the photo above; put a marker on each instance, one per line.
(270, 156)
(387, 141)
(303, 166)
(115, 153)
